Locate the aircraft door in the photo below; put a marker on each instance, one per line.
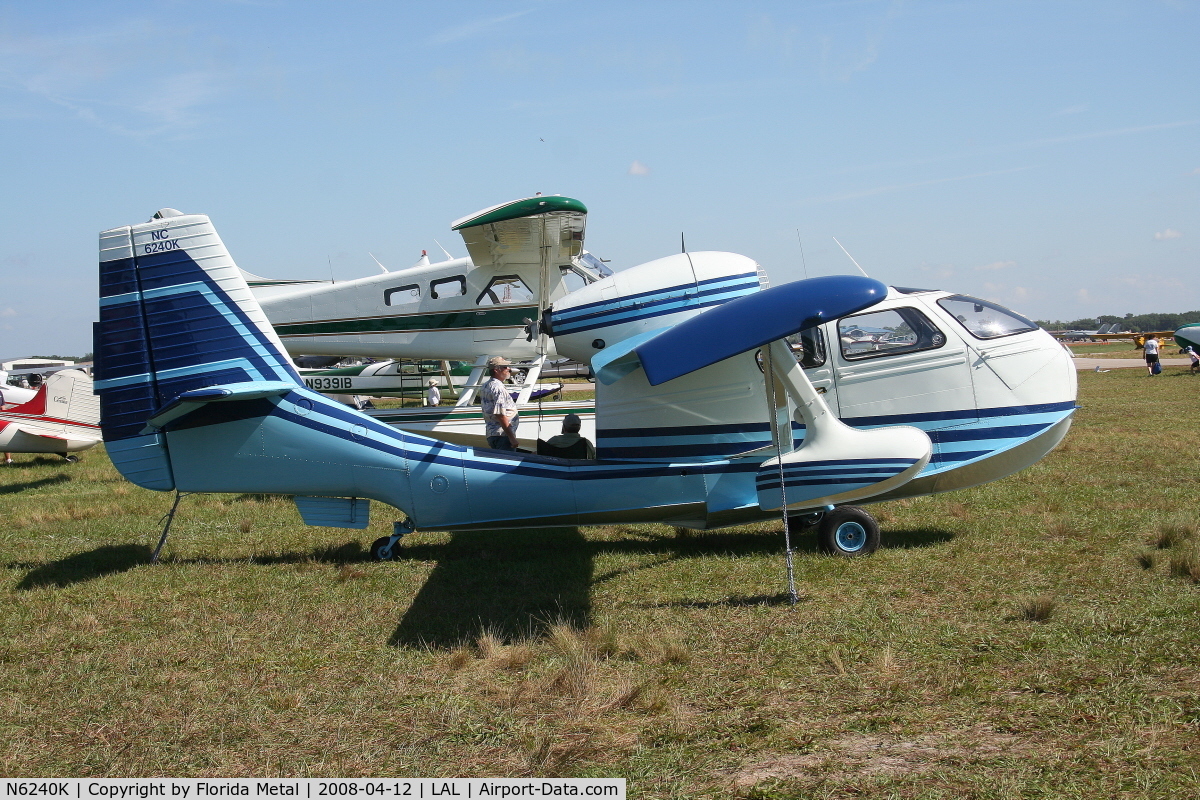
(814, 356)
(896, 366)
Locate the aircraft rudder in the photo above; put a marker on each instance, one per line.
(175, 314)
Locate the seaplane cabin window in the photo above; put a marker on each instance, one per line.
(985, 320)
(575, 279)
(402, 295)
(886, 333)
(505, 290)
(808, 347)
(448, 287)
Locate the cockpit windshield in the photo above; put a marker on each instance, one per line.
(594, 264)
(985, 320)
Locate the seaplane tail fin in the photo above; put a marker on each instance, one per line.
(176, 315)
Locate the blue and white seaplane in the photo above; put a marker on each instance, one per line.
(720, 400)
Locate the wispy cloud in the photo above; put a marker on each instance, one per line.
(996, 265)
(903, 186)
(937, 271)
(1169, 233)
(1031, 144)
(638, 168)
(1079, 137)
(475, 28)
(108, 77)
(1075, 109)
(8, 312)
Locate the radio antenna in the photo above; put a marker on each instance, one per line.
(847, 252)
(803, 263)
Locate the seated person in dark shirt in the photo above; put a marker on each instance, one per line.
(569, 444)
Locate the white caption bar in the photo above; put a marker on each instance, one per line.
(337, 788)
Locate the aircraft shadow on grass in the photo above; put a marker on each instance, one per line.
(82, 567)
(17, 488)
(517, 585)
(514, 586)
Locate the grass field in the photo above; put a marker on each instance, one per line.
(1035, 637)
(1119, 349)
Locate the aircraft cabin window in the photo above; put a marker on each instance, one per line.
(886, 333)
(402, 295)
(448, 287)
(573, 279)
(985, 320)
(505, 290)
(808, 347)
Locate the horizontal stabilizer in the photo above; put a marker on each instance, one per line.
(75, 440)
(189, 401)
(750, 321)
(334, 512)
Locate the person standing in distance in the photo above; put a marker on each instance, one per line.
(433, 396)
(1151, 350)
(499, 410)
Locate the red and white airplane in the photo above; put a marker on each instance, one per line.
(62, 416)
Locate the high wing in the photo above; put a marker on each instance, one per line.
(736, 326)
(531, 232)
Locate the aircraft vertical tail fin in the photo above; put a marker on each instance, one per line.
(175, 315)
(65, 395)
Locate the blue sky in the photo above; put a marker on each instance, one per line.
(1042, 154)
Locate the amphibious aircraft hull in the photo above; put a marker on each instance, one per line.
(704, 417)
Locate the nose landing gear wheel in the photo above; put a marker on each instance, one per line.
(849, 532)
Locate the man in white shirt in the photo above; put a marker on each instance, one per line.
(1151, 350)
(499, 409)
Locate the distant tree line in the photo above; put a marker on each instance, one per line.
(1131, 322)
(84, 357)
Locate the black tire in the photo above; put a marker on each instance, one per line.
(380, 550)
(848, 532)
(71, 459)
(802, 522)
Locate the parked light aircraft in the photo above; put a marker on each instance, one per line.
(62, 416)
(524, 255)
(705, 418)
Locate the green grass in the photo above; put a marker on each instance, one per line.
(1120, 349)
(1032, 638)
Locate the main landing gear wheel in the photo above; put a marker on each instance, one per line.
(382, 549)
(385, 548)
(802, 522)
(848, 531)
(71, 459)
